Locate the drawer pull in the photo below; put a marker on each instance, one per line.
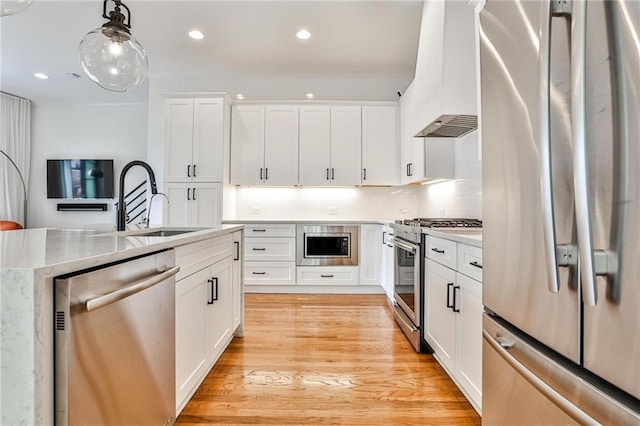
(259, 273)
(258, 249)
(476, 264)
(326, 276)
(437, 250)
(259, 230)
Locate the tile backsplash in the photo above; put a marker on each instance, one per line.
(452, 198)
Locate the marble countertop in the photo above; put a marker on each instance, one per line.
(59, 251)
(305, 221)
(472, 237)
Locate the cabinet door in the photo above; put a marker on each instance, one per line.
(469, 337)
(380, 141)
(281, 145)
(247, 144)
(315, 145)
(440, 320)
(207, 140)
(346, 145)
(370, 254)
(236, 284)
(177, 210)
(178, 139)
(206, 204)
(191, 350)
(219, 303)
(270, 249)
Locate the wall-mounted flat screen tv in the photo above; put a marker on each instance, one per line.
(80, 179)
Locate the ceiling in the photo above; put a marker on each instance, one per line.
(359, 50)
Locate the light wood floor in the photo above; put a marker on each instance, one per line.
(325, 359)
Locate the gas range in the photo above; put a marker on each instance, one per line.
(411, 229)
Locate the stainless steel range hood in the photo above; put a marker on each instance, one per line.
(449, 126)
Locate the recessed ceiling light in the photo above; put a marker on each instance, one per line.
(303, 34)
(41, 75)
(196, 35)
(239, 96)
(309, 95)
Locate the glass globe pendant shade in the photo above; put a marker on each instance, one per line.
(11, 7)
(113, 59)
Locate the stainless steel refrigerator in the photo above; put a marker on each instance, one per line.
(560, 123)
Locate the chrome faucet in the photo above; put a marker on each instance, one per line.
(122, 209)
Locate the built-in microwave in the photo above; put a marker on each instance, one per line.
(321, 245)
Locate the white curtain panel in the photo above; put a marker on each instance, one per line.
(15, 141)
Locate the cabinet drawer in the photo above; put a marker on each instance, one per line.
(270, 273)
(470, 261)
(195, 256)
(276, 249)
(327, 275)
(442, 251)
(270, 230)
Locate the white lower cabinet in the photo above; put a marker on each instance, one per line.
(327, 275)
(370, 254)
(453, 317)
(208, 307)
(237, 287)
(270, 273)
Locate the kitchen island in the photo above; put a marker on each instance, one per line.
(29, 261)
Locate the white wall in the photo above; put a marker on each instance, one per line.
(337, 204)
(83, 131)
(462, 196)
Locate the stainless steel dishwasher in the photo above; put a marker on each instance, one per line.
(115, 343)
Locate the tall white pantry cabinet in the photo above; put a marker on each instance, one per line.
(194, 142)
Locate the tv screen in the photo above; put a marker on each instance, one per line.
(79, 178)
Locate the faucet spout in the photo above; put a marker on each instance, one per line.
(122, 208)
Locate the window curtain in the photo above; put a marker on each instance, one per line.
(15, 141)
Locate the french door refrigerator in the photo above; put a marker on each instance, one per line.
(560, 123)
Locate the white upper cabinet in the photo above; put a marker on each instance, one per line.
(315, 145)
(247, 144)
(346, 145)
(380, 136)
(281, 145)
(194, 139)
(412, 167)
(264, 145)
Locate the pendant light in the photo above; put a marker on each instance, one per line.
(110, 56)
(11, 7)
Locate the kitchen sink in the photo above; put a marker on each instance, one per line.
(165, 232)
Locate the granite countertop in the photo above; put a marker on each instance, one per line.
(59, 251)
(470, 236)
(305, 221)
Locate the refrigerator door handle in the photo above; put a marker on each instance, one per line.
(592, 262)
(549, 9)
(501, 346)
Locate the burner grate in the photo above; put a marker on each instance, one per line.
(442, 222)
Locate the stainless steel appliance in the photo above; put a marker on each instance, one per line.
(115, 344)
(561, 238)
(323, 245)
(408, 273)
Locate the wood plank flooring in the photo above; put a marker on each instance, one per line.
(325, 359)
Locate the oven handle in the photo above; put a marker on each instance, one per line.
(411, 327)
(404, 245)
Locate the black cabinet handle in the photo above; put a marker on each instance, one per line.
(194, 170)
(326, 276)
(211, 299)
(188, 194)
(237, 244)
(188, 170)
(266, 174)
(437, 250)
(215, 280)
(476, 264)
(333, 174)
(261, 173)
(259, 273)
(194, 193)
(258, 249)
(384, 235)
(410, 169)
(259, 230)
(327, 173)
(449, 304)
(455, 309)
(365, 175)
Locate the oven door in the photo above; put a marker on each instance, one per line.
(406, 280)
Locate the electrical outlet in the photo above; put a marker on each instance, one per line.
(255, 210)
(443, 212)
(404, 211)
(332, 210)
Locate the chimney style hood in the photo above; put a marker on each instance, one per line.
(449, 126)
